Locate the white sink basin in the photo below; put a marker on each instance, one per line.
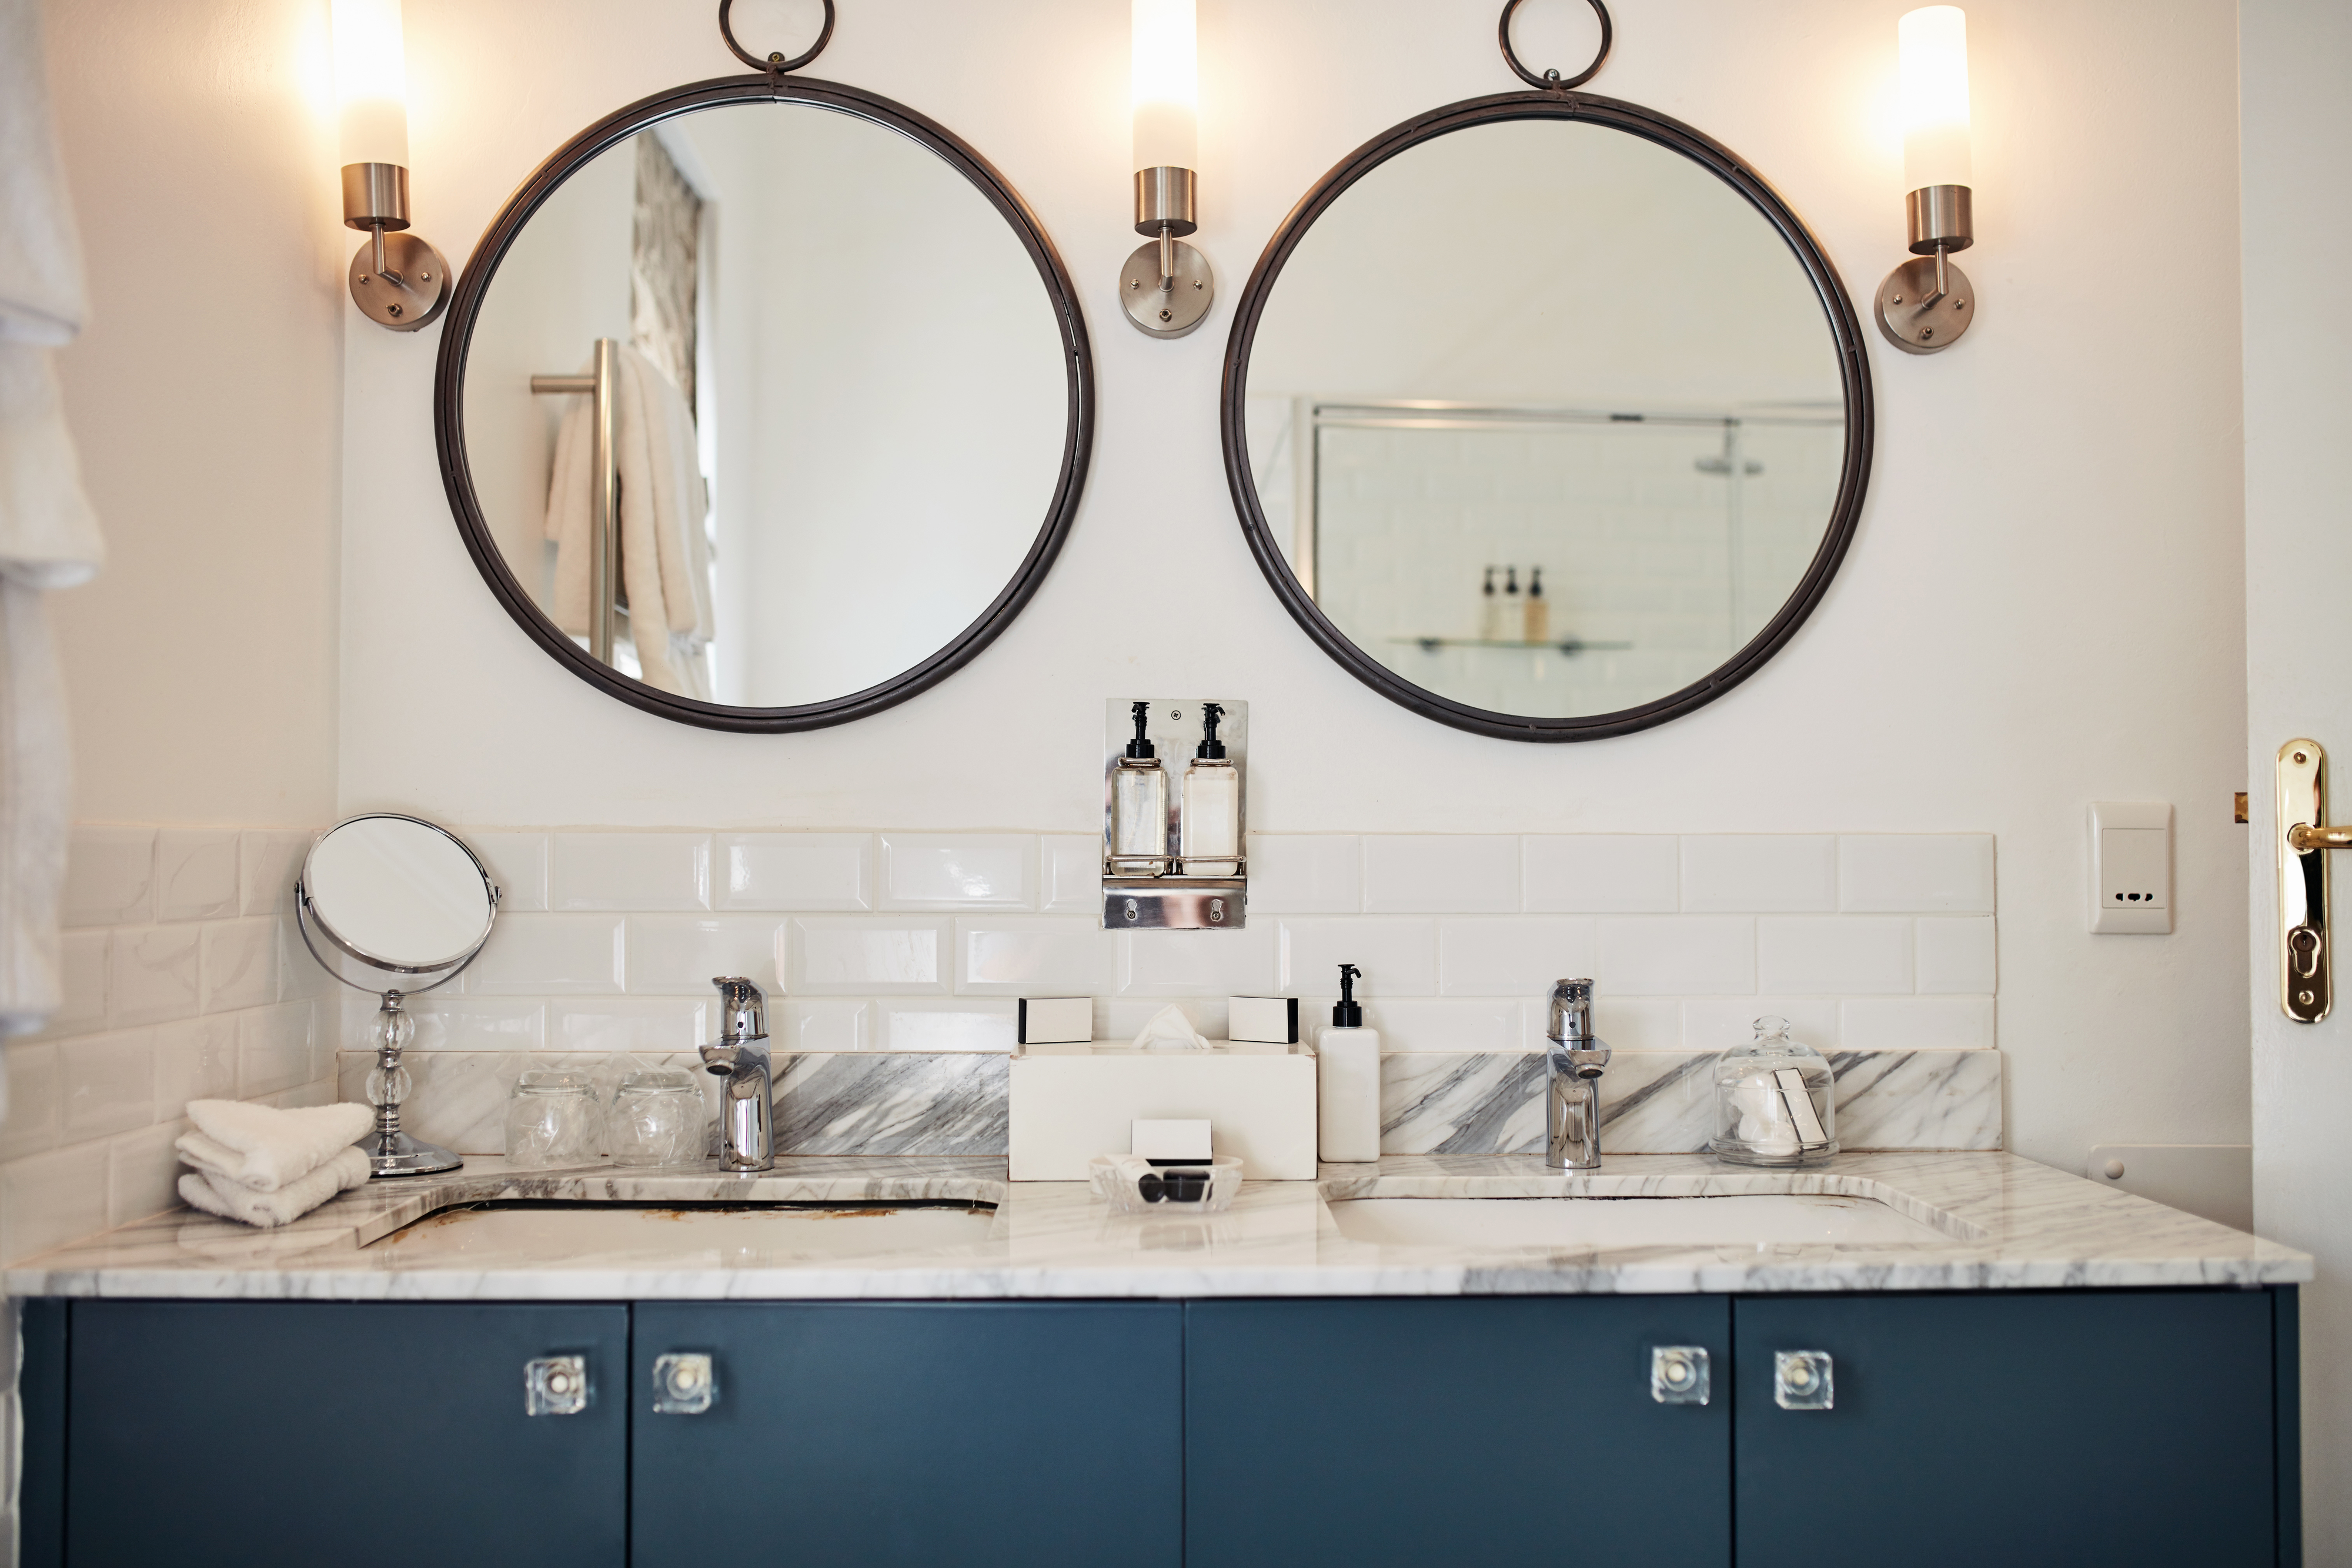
(1759, 1221)
(686, 1236)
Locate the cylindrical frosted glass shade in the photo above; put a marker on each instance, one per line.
(1166, 86)
(371, 82)
(1935, 44)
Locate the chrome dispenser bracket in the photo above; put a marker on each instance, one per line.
(2306, 965)
(1174, 897)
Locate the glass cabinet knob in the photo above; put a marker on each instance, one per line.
(555, 1386)
(1803, 1380)
(1679, 1374)
(684, 1384)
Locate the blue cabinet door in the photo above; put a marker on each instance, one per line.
(881, 1434)
(354, 1433)
(1467, 1431)
(2103, 1426)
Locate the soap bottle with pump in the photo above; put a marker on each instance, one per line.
(1347, 1081)
(1539, 610)
(1210, 835)
(1514, 619)
(1490, 610)
(1138, 806)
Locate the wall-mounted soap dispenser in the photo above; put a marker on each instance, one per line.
(1173, 860)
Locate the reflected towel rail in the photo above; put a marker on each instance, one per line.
(605, 499)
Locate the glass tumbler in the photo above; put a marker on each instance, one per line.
(553, 1119)
(657, 1118)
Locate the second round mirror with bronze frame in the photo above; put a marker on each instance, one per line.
(1544, 416)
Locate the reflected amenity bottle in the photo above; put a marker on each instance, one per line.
(1490, 610)
(1539, 610)
(1138, 806)
(1514, 620)
(1210, 818)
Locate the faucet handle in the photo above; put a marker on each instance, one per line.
(743, 1009)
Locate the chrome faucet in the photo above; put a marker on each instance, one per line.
(1572, 1109)
(747, 1131)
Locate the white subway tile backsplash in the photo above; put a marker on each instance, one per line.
(1441, 874)
(1397, 957)
(196, 874)
(1600, 873)
(448, 1021)
(1840, 955)
(322, 1092)
(517, 862)
(82, 970)
(1623, 1024)
(1916, 1023)
(849, 956)
(144, 1173)
(1428, 1023)
(1042, 954)
(1676, 955)
(274, 1049)
(152, 974)
(109, 876)
(1753, 872)
(1305, 873)
(823, 1023)
(237, 964)
(795, 872)
(958, 871)
(549, 955)
(1956, 955)
(269, 862)
(53, 1198)
(628, 871)
(1245, 963)
(1119, 1019)
(1070, 872)
(37, 1098)
(680, 954)
(1514, 955)
(195, 1058)
(965, 1023)
(1925, 874)
(110, 1084)
(1718, 1023)
(630, 1023)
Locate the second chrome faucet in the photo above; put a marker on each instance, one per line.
(1573, 1107)
(747, 1133)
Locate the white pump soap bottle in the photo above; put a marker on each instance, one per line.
(1347, 1081)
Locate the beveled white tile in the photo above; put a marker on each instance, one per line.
(1305, 873)
(1070, 872)
(627, 1023)
(964, 1023)
(549, 955)
(1718, 1023)
(1119, 1019)
(1676, 955)
(1840, 955)
(448, 1021)
(680, 954)
(299, 974)
(1425, 1023)
(1600, 873)
(81, 972)
(1916, 1023)
(628, 871)
(151, 974)
(237, 964)
(1926, 874)
(822, 1024)
(196, 874)
(144, 1173)
(1623, 1024)
(1956, 955)
(517, 861)
(1441, 874)
(110, 1084)
(872, 955)
(1245, 963)
(1397, 957)
(195, 1058)
(37, 1099)
(274, 1049)
(958, 871)
(1037, 955)
(1759, 873)
(268, 862)
(109, 876)
(795, 871)
(1513, 955)
(53, 1198)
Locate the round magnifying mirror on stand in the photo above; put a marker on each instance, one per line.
(393, 905)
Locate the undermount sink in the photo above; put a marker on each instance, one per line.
(1758, 1219)
(681, 1234)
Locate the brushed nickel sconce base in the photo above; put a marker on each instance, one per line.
(1918, 319)
(413, 301)
(1172, 311)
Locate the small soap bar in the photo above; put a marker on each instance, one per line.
(1186, 1140)
(1057, 1021)
(1272, 1020)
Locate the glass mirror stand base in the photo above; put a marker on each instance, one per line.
(395, 1153)
(390, 1151)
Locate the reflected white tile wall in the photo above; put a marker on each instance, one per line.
(274, 1049)
(151, 974)
(795, 872)
(269, 862)
(1507, 957)
(1245, 963)
(110, 1084)
(81, 963)
(870, 955)
(194, 1060)
(1039, 955)
(680, 954)
(238, 965)
(1397, 957)
(37, 1098)
(1840, 955)
(1441, 874)
(517, 866)
(142, 1173)
(628, 871)
(196, 874)
(1941, 874)
(109, 876)
(1305, 873)
(549, 955)
(1600, 873)
(1753, 872)
(958, 871)
(1669, 955)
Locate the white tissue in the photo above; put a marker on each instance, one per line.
(1170, 1029)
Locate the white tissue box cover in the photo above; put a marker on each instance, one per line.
(1070, 1102)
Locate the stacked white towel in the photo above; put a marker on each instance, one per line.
(268, 1167)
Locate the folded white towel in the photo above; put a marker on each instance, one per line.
(290, 1202)
(264, 1148)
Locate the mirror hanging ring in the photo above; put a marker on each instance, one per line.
(775, 64)
(1551, 82)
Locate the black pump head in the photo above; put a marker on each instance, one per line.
(1141, 746)
(1211, 747)
(1348, 1013)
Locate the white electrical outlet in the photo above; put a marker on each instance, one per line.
(2131, 867)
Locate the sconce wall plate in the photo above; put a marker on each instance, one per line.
(1170, 306)
(1921, 315)
(406, 289)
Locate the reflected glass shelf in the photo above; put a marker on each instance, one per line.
(1568, 645)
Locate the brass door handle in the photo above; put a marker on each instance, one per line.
(2302, 838)
(2307, 950)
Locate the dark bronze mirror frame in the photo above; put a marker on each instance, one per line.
(1554, 103)
(481, 266)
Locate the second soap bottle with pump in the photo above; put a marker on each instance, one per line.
(1210, 805)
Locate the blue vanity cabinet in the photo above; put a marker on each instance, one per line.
(894, 1434)
(350, 1432)
(2095, 1427)
(1508, 1431)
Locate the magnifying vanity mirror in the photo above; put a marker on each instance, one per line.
(765, 403)
(394, 905)
(1544, 416)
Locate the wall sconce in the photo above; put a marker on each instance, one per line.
(1166, 285)
(1926, 304)
(397, 280)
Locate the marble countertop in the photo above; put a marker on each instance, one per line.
(1998, 1222)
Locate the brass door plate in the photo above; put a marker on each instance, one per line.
(2307, 988)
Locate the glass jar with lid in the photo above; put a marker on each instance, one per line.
(1775, 1102)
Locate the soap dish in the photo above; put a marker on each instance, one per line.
(1138, 1186)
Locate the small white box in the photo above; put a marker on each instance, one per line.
(1069, 1102)
(1055, 1020)
(1170, 1141)
(1270, 1019)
